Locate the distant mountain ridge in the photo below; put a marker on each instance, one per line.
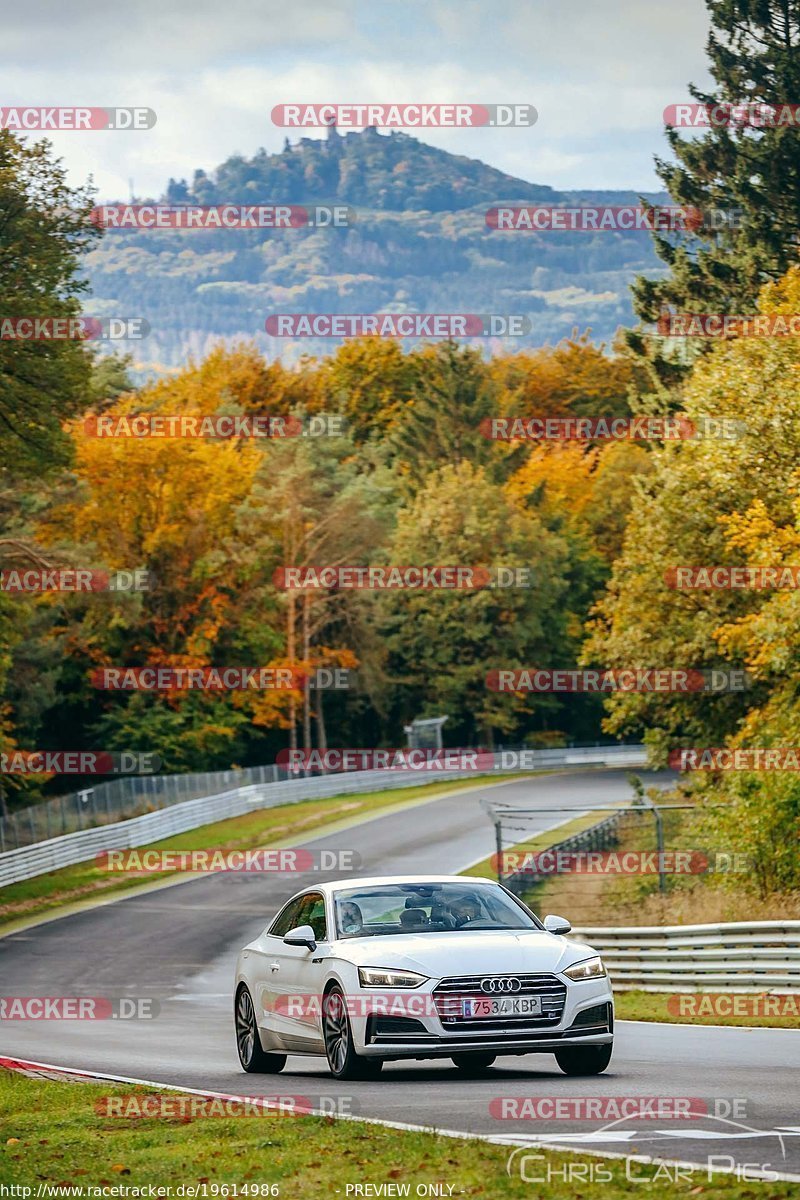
(392, 173)
(420, 243)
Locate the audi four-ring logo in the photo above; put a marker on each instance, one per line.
(510, 984)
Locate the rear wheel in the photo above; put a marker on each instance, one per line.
(473, 1063)
(340, 1051)
(254, 1059)
(584, 1060)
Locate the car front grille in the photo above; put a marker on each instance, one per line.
(449, 994)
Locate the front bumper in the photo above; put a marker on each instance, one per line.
(585, 1019)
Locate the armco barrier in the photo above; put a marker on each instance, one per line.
(741, 956)
(71, 848)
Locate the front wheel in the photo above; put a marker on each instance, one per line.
(339, 1048)
(473, 1063)
(252, 1056)
(584, 1060)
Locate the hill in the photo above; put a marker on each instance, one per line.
(419, 243)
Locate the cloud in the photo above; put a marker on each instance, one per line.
(600, 76)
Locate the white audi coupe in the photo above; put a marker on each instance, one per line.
(414, 967)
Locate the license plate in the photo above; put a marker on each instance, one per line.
(503, 1006)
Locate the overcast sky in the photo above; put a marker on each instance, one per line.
(600, 73)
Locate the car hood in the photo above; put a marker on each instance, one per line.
(486, 952)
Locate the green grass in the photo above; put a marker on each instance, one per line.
(663, 1006)
(52, 1134)
(259, 828)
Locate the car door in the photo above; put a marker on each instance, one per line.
(292, 978)
(305, 970)
(273, 988)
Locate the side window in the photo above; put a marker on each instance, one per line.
(314, 915)
(287, 918)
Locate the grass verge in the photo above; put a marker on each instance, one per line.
(760, 1010)
(52, 1134)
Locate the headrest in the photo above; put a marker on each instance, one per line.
(413, 916)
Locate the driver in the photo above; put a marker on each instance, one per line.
(464, 910)
(350, 918)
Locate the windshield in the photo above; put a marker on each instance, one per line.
(395, 908)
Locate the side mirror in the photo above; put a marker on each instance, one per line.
(557, 925)
(303, 935)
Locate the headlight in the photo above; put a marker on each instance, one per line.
(378, 977)
(590, 968)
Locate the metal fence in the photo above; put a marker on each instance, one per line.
(173, 816)
(132, 796)
(597, 837)
(740, 956)
(118, 799)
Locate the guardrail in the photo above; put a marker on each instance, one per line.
(52, 853)
(123, 797)
(740, 956)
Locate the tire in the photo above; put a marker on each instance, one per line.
(584, 1060)
(473, 1062)
(340, 1052)
(252, 1056)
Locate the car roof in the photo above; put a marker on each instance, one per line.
(336, 885)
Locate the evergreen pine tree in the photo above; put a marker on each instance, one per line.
(749, 173)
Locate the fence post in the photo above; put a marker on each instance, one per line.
(662, 880)
(498, 841)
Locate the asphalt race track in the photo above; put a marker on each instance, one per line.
(179, 943)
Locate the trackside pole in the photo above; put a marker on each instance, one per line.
(498, 840)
